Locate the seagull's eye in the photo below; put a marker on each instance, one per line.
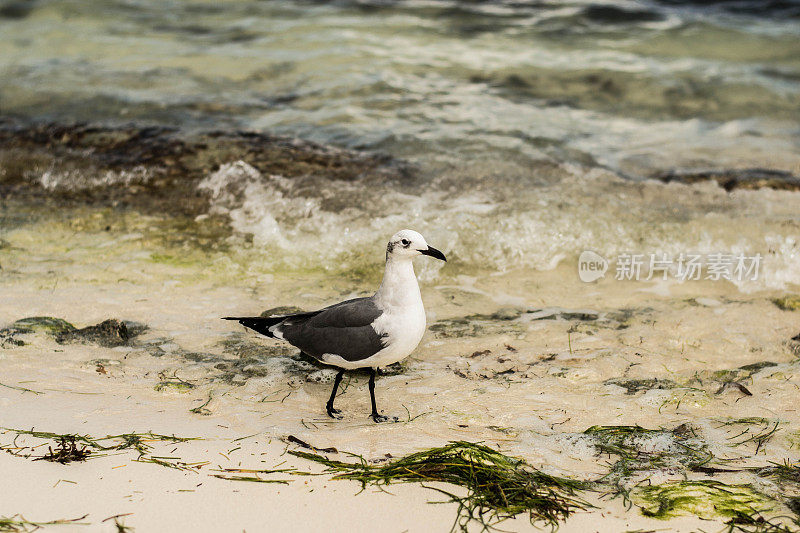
(405, 242)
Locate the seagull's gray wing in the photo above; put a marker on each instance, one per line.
(344, 329)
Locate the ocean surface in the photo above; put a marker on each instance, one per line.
(532, 126)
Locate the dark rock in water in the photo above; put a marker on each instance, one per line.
(609, 14)
(16, 9)
(281, 310)
(632, 386)
(160, 167)
(108, 333)
(747, 178)
(784, 9)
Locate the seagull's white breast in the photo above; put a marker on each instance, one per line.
(402, 328)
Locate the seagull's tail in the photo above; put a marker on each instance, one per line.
(258, 323)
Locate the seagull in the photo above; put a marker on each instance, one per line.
(368, 332)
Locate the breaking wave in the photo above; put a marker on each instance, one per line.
(509, 225)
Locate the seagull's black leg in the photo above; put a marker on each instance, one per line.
(334, 413)
(375, 415)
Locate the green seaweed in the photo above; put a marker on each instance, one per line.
(121, 528)
(737, 374)
(66, 451)
(252, 479)
(756, 523)
(175, 385)
(753, 431)
(497, 486)
(96, 447)
(790, 302)
(40, 324)
(785, 473)
(679, 449)
(707, 499)
(21, 389)
(18, 524)
(632, 386)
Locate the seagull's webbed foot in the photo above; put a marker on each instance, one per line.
(378, 418)
(335, 413)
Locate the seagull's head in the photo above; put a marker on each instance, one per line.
(408, 243)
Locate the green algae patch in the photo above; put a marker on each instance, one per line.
(788, 303)
(174, 385)
(736, 375)
(40, 324)
(173, 260)
(633, 386)
(706, 499)
(502, 321)
(497, 486)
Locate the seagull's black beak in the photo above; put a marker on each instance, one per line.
(433, 252)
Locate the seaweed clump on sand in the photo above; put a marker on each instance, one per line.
(18, 524)
(109, 333)
(66, 451)
(72, 447)
(787, 476)
(641, 451)
(497, 486)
